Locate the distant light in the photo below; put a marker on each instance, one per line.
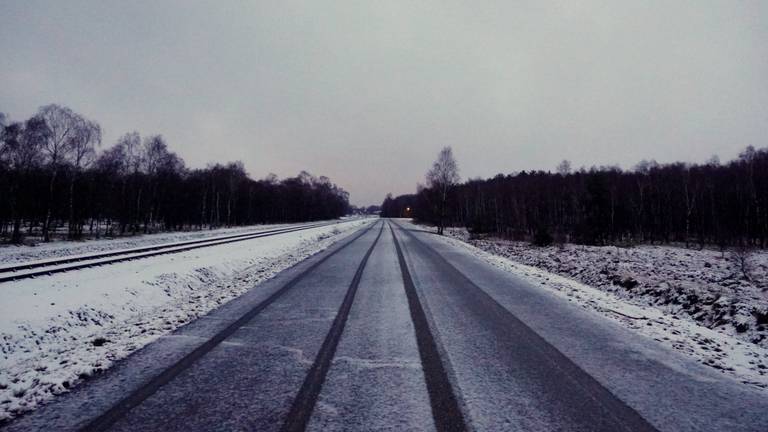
(407, 209)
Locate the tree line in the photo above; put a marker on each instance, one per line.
(714, 203)
(53, 178)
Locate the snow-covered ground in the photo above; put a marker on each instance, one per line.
(698, 302)
(57, 330)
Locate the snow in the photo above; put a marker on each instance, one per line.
(57, 330)
(675, 298)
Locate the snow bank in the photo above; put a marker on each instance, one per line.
(696, 301)
(57, 330)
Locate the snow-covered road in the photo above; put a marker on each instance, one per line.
(421, 334)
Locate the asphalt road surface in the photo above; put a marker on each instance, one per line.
(394, 329)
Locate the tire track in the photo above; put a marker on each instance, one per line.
(445, 405)
(305, 401)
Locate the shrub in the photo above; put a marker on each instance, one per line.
(542, 237)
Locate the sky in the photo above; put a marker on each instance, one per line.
(368, 92)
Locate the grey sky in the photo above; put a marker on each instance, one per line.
(367, 92)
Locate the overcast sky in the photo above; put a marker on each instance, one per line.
(367, 92)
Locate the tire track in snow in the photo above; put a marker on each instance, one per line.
(305, 401)
(445, 405)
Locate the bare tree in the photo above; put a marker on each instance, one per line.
(20, 153)
(82, 152)
(62, 123)
(690, 193)
(741, 257)
(271, 178)
(236, 174)
(133, 162)
(443, 175)
(155, 153)
(9, 137)
(130, 145)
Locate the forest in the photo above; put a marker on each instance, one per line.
(55, 180)
(714, 204)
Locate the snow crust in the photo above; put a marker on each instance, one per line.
(56, 331)
(694, 301)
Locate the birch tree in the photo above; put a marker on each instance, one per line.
(443, 175)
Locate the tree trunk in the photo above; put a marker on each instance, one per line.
(71, 231)
(136, 220)
(202, 211)
(49, 205)
(15, 214)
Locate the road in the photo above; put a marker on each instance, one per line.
(394, 329)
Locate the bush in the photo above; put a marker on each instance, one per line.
(560, 238)
(542, 237)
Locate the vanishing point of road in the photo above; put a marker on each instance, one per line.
(395, 329)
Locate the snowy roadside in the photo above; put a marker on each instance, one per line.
(57, 330)
(646, 312)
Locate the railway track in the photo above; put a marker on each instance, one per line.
(37, 268)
